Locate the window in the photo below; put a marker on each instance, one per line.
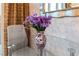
(53, 6)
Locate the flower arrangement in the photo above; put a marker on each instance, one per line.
(40, 23)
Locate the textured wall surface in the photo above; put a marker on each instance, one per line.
(34, 7)
(63, 36)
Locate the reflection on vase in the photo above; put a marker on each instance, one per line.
(40, 41)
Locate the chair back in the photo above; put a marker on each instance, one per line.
(16, 34)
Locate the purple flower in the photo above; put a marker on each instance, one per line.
(35, 14)
(39, 22)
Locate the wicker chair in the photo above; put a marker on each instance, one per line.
(18, 42)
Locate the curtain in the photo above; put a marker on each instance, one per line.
(14, 13)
